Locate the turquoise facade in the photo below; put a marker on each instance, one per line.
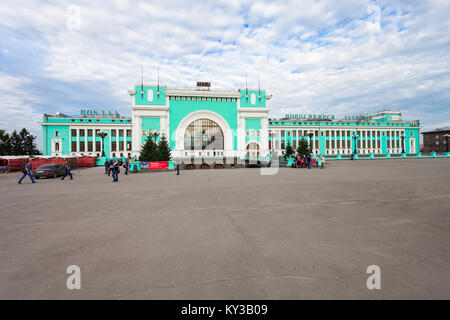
(242, 127)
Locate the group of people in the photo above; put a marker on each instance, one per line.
(113, 166)
(307, 161)
(27, 172)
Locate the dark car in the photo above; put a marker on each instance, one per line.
(48, 170)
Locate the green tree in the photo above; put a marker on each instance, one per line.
(303, 147)
(29, 144)
(15, 144)
(4, 143)
(164, 149)
(149, 151)
(288, 150)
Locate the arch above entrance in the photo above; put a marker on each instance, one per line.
(204, 114)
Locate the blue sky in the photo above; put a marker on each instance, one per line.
(333, 57)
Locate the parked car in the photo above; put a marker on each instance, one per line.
(48, 171)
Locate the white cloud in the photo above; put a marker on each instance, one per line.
(313, 56)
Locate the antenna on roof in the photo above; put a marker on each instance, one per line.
(157, 92)
(259, 88)
(142, 81)
(246, 87)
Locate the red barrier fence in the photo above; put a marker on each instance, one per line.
(16, 163)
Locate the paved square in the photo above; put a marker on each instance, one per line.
(231, 234)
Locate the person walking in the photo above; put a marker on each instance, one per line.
(178, 169)
(322, 162)
(126, 165)
(110, 166)
(115, 171)
(106, 166)
(309, 161)
(67, 171)
(27, 172)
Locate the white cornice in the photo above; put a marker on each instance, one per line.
(150, 107)
(252, 109)
(202, 93)
(89, 124)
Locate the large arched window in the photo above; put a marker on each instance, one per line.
(203, 134)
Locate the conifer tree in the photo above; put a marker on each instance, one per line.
(164, 149)
(303, 148)
(288, 150)
(149, 151)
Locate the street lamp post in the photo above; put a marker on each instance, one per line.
(102, 134)
(403, 136)
(310, 135)
(355, 139)
(446, 141)
(154, 134)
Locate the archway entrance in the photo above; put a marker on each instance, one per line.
(204, 134)
(253, 151)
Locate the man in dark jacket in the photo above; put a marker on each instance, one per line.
(110, 166)
(67, 171)
(106, 166)
(115, 171)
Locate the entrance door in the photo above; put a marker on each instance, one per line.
(253, 151)
(412, 145)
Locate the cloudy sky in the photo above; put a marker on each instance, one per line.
(334, 57)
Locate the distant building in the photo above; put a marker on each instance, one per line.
(436, 140)
(378, 133)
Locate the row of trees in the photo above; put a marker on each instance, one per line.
(18, 143)
(152, 151)
(303, 148)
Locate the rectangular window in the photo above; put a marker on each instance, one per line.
(359, 144)
(338, 144)
(328, 144)
(74, 146)
(81, 132)
(294, 144)
(98, 146)
(348, 144)
(128, 145)
(121, 146)
(90, 146)
(294, 133)
(317, 144)
(338, 133)
(113, 133)
(128, 133)
(113, 146)
(282, 144)
(89, 132)
(81, 146)
(120, 133)
(364, 144)
(388, 143)
(316, 133)
(289, 133)
(332, 133)
(282, 134)
(332, 144)
(348, 133)
(74, 132)
(327, 133)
